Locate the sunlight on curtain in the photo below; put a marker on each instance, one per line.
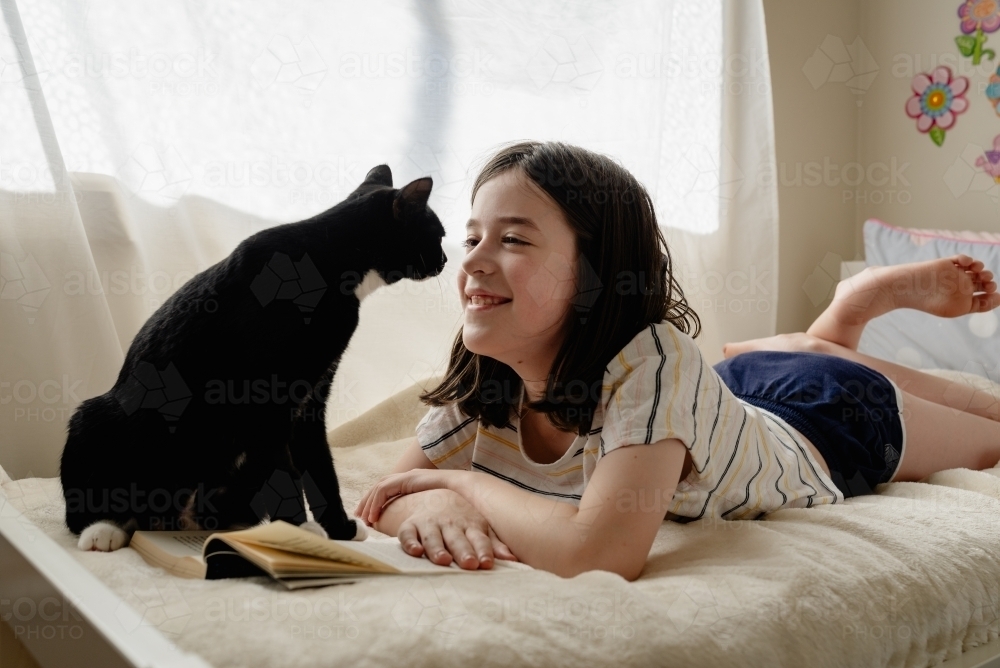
(280, 113)
(141, 141)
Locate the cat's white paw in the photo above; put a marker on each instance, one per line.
(315, 528)
(102, 537)
(362, 530)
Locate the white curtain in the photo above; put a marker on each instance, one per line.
(140, 141)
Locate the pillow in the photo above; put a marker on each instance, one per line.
(969, 343)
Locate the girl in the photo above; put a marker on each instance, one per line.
(577, 412)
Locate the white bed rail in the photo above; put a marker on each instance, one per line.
(63, 614)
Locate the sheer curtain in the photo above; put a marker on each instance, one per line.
(141, 141)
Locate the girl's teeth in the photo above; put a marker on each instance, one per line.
(482, 301)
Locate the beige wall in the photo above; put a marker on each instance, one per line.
(814, 126)
(849, 122)
(906, 37)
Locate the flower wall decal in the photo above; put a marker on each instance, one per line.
(993, 91)
(989, 162)
(978, 17)
(937, 99)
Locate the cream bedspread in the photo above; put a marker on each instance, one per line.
(907, 577)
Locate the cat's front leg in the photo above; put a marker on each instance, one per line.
(311, 454)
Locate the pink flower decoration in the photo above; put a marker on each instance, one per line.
(989, 162)
(937, 99)
(979, 13)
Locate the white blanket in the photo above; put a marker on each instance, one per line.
(907, 577)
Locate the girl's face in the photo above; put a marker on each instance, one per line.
(518, 246)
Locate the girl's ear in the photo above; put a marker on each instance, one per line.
(412, 198)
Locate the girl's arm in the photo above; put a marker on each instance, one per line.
(613, 529)
(435, 515)
(442, 525)
(413, 457)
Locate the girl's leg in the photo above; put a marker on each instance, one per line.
(945, 287)
(946, 393)
(940, 438)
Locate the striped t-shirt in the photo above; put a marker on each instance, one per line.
(745, 461)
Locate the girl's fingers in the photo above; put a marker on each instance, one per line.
(368, 504)
(482, 545)
(379, 496)
(361, 504)
(410, 539)
(372, 502)
(500, 548)
(430, 538)
(377, 508)
(459, 547)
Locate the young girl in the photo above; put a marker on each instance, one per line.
(577, 412)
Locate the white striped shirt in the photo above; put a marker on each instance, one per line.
(745, 461)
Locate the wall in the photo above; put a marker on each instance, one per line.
(846, 150)
(948, 191)
(815, 125)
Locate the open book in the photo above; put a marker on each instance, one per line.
(293, 556)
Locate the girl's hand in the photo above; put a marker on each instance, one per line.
(449, 528)
(397, 484)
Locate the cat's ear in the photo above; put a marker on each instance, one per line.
(380, 175)
(412, 197)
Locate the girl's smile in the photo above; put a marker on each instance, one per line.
(481, 307)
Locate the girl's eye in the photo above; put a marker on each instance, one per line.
(470, 242)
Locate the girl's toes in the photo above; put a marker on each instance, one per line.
(986, 302)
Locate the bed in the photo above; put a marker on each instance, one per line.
(907, 577)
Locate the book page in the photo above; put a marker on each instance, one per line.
(178, 552)
(176, 543)
(284, 536)
(280, 562)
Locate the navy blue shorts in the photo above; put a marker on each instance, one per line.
(849, 411)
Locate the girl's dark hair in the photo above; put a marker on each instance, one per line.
(624, 283)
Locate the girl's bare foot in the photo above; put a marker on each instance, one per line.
(947, 287)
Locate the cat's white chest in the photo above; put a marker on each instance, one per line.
(369, 284)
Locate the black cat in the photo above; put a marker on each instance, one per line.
(216, 420)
